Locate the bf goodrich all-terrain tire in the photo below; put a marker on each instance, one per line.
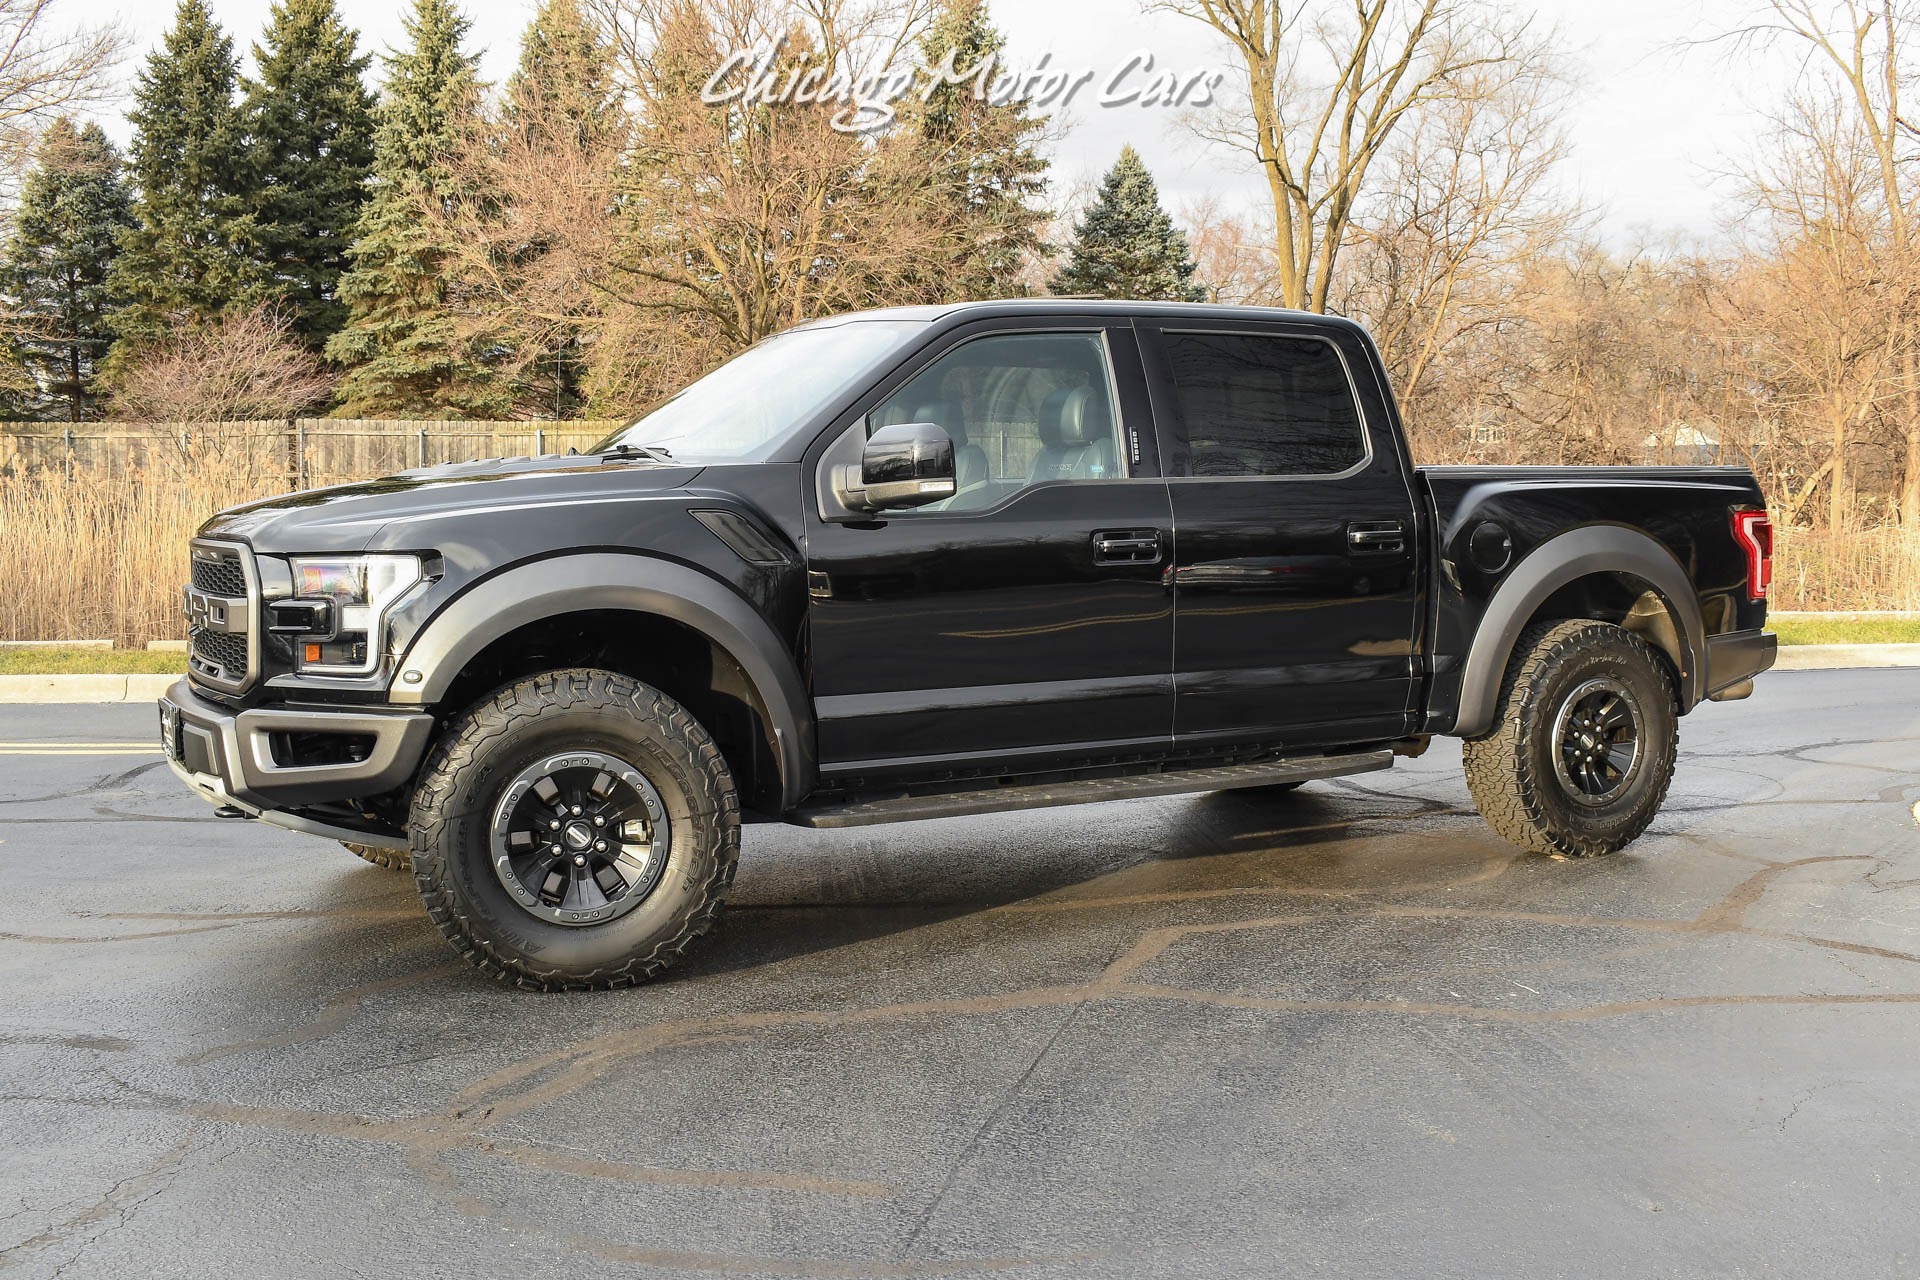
(577, 829)
(391, 859)
(1583, 751)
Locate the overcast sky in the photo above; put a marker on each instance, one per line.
(1653, 123)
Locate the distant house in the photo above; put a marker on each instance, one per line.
(1682, 444)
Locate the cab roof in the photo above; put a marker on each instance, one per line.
(1120, 308)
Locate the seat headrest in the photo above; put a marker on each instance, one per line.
(945, 414)
(1069, 419)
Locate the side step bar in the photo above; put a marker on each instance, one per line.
(1047, 795)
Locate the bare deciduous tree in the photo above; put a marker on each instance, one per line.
(47, 70)
(1233, 255)
(529, 271)
(1830, 303)
(1863, 69)
(1324, 95)
(1467, 206)
(737, 218)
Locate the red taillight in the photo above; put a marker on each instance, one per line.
(1753, 530)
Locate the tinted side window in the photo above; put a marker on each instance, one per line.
(1264, 406)
(1023, 409)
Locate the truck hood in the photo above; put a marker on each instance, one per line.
(345, 518)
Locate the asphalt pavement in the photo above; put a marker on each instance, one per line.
(1344, 1033)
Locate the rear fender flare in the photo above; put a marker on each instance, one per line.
(1595, 549)
(632, 583)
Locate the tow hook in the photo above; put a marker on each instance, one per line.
(228, 811)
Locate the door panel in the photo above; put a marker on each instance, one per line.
(1296, 596)
(1025, 621)
(992, 634)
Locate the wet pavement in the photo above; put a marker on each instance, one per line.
(1346, 1032)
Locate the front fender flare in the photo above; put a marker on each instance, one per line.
(1552, 565)
(633, 583)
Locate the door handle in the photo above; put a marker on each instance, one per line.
(1126, 546)
(1377, 537)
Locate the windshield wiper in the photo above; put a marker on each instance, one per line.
(647, 451)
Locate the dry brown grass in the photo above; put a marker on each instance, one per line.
(1877, 567)
(100, 557)
(103, 556)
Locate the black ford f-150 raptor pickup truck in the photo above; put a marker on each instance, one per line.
(917, 563)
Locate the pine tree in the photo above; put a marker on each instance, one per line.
(1127, 246)
(404, 352)
(985, 168)
(73, 209)
(309, 121)
(563, 86)
(190, 257)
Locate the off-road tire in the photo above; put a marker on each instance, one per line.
(472, 765)
(388, 859)
(1511, 769)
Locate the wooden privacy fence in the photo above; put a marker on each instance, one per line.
(304, 451)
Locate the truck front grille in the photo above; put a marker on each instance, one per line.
(220, 574)
(221, 607)
(227, 652)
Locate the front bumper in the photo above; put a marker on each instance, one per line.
(231, 758)
(1734, 659)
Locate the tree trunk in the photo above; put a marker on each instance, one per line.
(1837, 482)
(1910, 482)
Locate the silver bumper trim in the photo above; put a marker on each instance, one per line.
(236, 750)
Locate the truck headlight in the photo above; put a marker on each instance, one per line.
(337, 618)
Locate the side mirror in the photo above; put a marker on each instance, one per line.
(906, 465)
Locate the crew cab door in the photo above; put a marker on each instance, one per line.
(1295, 592)
(1024, 621)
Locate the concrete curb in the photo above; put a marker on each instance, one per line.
(79, 689)
(1837, 657)
(45, 689)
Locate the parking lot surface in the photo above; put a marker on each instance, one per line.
(1346, 1032)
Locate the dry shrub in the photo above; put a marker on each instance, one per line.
(249, 366)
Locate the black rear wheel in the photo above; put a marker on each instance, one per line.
(1582, 755)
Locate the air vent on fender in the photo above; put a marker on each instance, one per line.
(749, 540)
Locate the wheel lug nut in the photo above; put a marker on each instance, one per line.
(579, 859)
(599, 846)
(575, 811)
(599, 820)
(555, 849)
(553, 824)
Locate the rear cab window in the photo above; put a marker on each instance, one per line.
(1261, 405)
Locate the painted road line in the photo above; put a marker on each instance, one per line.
(79, 749)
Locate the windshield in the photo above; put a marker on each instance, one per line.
(746, 404)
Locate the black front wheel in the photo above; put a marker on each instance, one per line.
(577, 829)
(1583, 753)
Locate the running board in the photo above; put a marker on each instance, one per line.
(1048, 795)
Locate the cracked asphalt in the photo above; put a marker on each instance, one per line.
(1346, 1032)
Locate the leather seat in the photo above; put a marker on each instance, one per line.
(1076, 438)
